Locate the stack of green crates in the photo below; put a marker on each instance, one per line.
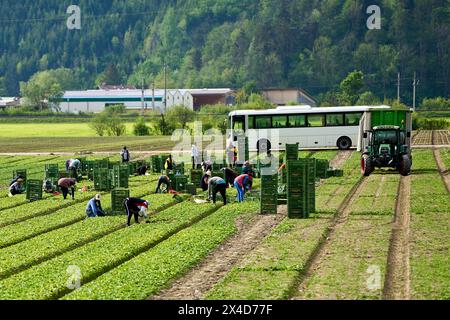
(52, 172)
(291, 152)
(179, 168)
(102, 179)
(22, 173)
(112, 164)
(34, 190)
(301, 187)
(89, 167)
(322, 166)
(180, 182)
(132, 167)
(103, 163)
(157, 164)
(191, 189)
(269, 193)
(119, 176)
(196, 176)
(117, 198)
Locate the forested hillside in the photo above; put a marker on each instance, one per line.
(312, 44)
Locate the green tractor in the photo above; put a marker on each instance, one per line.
(386, 141)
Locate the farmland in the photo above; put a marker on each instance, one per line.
(377, 237)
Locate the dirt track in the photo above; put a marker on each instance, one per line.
(342, 156)
(202, 278)
(397, 280)
(443, 171)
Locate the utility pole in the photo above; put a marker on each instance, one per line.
(153, 96)
(415, 83)
(398, 87)
(165, 87)
(142, 98)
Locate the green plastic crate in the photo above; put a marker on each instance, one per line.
(34, 189)
(117, 198)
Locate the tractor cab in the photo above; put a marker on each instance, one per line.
(385, 144)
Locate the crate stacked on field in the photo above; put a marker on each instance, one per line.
(88, 169)
(191, 189)
(291, 152)
(301, 175)
(52, 172)
(322, 167)
(195, 176)
(335, 173)
(102, 181)
(269, 192)
(180, 182)
(34, 190)
(119, 176)
(112, 164)
(117, 198)
(179, 168)
(22, 173)
(156, 164)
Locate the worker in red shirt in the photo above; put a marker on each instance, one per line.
(137, 207)
(243, 183)
(65, 184)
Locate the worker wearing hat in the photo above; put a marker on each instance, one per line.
(204, 181)
(94, 207)
(16, 187)
(135, 207)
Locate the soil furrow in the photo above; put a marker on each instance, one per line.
(397, 280)
(202, 278)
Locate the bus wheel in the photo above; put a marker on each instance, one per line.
(344, 143)
(263, 145)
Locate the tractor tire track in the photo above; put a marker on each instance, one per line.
(199, 280)
(443, 171)
(397, 279)
(341, 157)
(319, 255)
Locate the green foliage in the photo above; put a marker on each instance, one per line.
(351, 87)
(179, 116)
(140, 128)
(99, 123)
(429, 124)
(438, 103)
(368, 99)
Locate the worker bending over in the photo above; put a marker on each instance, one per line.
(215, 185)
(230, 175)
(166, 181)
(142, 170)
(204, 181)
(135, 207)
(16, 187)
(243, 183)
(48, 187)
(94, 208)
(74, 166)
(65, 184)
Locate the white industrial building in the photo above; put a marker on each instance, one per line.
(95, 101)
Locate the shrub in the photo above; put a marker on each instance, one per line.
(140, 128)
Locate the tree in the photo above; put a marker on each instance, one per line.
(351, 87)
(368, 99)
(110, 76)
(99, 123)
(180, 116)
(140, 128)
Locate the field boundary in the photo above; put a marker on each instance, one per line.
(397, 279)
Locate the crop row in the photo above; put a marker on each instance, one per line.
(51, 244)
(144, 275)
(49, 279)
(15, 233)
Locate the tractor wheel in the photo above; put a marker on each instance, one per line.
(344, 143)
(366, 165)
(405, 165)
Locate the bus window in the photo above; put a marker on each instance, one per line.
(352, 119)
(316, 120)
(263, 122)
(296, 121)
(334, 120)
(279, 121)
(251, 122)
(239, 123)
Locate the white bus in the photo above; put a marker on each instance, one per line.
(310, 127)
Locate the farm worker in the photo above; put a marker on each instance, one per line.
(242, 183)
(204, 181)
(169, 164)
(74, 166)
(64, 184)
(247, 168)
(137, 207)
(94, 207)
(141, 171)
(235, 158)
(125, 155)
(230, 175)
(48, 187)
(230, 152)
(207, 165)
(194, 155)
(283, 166)
(164, 180)
(16, 187)
(215, 185)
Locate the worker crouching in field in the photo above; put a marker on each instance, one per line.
(135, 207)
(164, 180)
(94, 208)
(48, 187)
(230, 175)
(65, 184)
(215, 185)
(141, 171)
(16, 187)
(243, 183)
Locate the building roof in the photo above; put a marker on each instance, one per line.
(306, 93)
(8, 101)
(115, 87)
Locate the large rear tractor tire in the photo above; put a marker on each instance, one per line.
(366, 165)
(405, 165)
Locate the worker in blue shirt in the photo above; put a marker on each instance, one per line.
(94, 208)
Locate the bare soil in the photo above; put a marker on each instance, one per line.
(199, 280)
(341, 157)
(397, 280)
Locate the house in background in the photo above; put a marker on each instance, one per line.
(284, 96)
(8, 102)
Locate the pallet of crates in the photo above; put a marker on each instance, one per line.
(291, 152)
(311, 182)
(180, 182)
(34, 190)
(269, 192)
(300, 187)
(102, 181)
(119, 176)
(156, 164)
(118, 197)
(195, 176)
